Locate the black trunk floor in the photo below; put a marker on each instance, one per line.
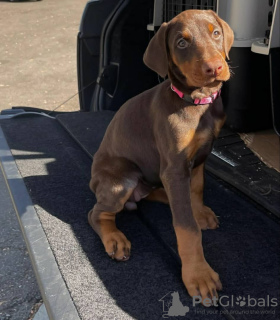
(244, 250)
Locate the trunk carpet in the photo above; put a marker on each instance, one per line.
(56, 171)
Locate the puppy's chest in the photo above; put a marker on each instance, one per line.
(196, 131)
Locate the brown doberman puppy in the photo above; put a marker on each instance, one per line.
(156, 144)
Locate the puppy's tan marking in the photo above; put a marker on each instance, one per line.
(185, 140)
(204, 216)
(210, 27)
(186, 35)
(218, 125)
(199, 140)
(158, 195)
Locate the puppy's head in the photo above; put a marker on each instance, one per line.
(191, 48)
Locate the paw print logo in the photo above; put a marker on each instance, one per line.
(240, 301)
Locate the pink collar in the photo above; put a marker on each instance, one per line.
(197, 101)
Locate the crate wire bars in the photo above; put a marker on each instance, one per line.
(173, 7)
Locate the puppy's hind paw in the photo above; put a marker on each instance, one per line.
(117, 246)
(205, 217)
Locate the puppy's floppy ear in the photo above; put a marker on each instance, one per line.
(227, 32)
(155, 56)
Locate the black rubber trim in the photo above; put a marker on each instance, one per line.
(236, 164)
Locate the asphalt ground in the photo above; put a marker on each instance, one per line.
(38, 53)
(37, 69)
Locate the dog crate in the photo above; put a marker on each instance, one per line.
(173, 7)
(250, 97)
(165, 10)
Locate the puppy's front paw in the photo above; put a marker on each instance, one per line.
(116, 245)
(201, 282)
(205, 217)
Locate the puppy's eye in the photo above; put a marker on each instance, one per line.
(182, 43)
(216, 34)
